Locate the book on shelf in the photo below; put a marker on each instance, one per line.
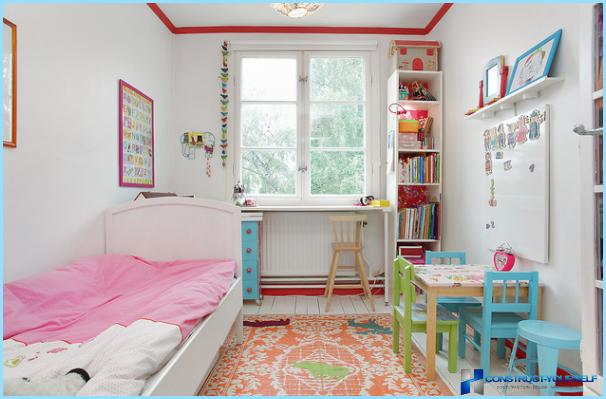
(421, 169)
(425, 126)
(420, 222)
(427, 142)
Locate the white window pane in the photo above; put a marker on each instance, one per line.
(269, 171)
(269, 125)
(269, 79)
(337, 79)
(337, 125)
(337, 172)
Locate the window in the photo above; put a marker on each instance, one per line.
(303, 126)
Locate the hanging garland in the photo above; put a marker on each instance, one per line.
(224, 101)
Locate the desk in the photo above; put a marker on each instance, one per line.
(452, 280)
(351, 208)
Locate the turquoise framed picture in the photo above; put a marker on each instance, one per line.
(534, 64)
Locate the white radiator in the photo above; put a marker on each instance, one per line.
(296, 244)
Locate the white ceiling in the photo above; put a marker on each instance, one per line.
(384, 15)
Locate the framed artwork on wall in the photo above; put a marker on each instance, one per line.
(9, 73)
(534, 64)
(136, 137)
(493, 80)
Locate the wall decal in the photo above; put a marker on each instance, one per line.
(492, 201)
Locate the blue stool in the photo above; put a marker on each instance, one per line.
(549, 338)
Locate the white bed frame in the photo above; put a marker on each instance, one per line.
(173, 228)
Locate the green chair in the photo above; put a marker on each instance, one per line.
(413, 316)
(452, 303)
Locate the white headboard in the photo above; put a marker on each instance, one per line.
(174, 228)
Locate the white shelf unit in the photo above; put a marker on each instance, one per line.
(507, 102)
(433, 190)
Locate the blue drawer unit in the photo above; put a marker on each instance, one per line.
(250, 257)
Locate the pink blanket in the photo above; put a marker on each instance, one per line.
(78, 302)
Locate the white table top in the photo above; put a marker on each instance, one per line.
(455, 275)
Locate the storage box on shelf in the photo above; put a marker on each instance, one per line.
(414, 184)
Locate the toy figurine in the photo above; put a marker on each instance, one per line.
(239, 198)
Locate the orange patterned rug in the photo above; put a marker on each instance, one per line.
(313, 355)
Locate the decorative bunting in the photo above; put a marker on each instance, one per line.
(224, 76)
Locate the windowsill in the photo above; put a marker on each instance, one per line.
(312, 208)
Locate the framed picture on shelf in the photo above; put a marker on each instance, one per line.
(9, 74)
(494, 80)
(534, 64)
(136, 137)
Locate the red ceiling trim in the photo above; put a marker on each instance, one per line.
(303, 29)
(156, 9)
(434, 21)
(300, 29)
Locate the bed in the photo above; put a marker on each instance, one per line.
(147, 242)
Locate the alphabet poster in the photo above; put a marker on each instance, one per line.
(516, 188)
(136, 137)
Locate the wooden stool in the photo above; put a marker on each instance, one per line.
(348, 237)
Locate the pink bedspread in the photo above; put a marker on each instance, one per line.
(78, 302)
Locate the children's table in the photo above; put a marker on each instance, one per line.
(453, 280)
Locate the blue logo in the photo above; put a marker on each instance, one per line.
(467, 381)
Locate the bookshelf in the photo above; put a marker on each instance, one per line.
(414, 177)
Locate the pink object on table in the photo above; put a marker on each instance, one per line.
(504, 261)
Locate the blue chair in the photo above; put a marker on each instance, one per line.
(453, 303)
(549, 339)
(499, 320)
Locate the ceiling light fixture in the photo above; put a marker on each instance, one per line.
(296, 10)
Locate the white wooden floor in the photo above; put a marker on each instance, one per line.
(357, 304)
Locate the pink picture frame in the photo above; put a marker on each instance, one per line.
(136, 138)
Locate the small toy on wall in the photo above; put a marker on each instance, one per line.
(190, 141)
(209, 147)
(224, 101)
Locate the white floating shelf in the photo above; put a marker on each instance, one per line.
(507, 102)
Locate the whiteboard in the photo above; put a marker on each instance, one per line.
(516, 188)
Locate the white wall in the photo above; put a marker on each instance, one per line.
(472, 34)
(64, 172)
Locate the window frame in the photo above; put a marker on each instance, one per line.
(302, 194)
